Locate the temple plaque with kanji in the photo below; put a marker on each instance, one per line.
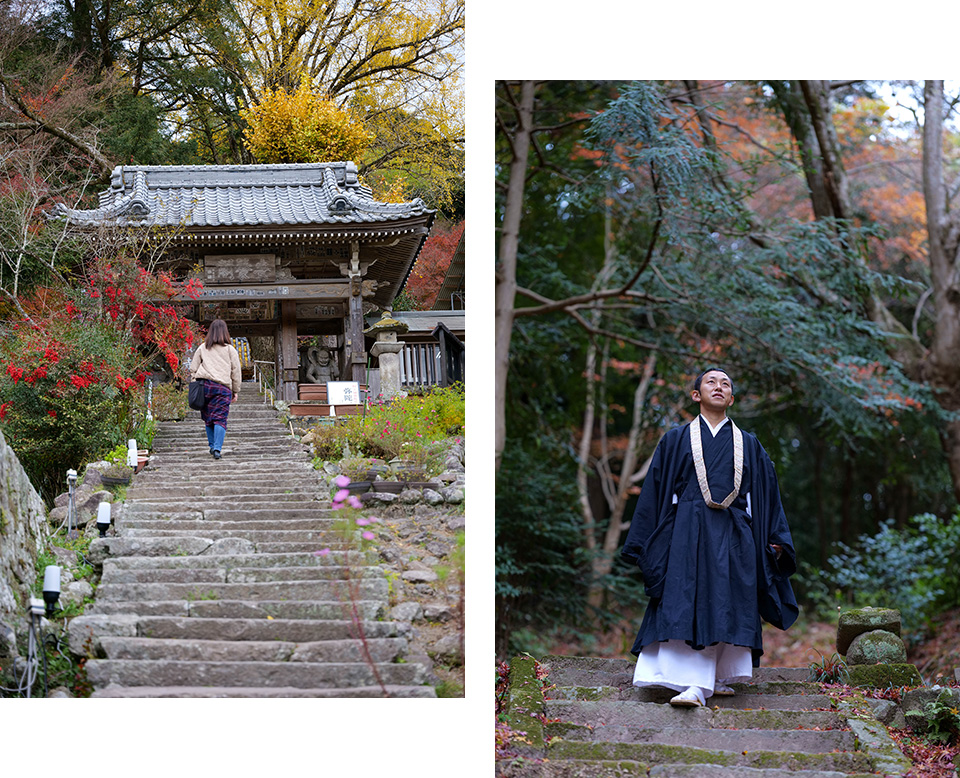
(239, 268)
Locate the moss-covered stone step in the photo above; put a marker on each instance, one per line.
(799, 741)
(775, 700)
(656, 753)
(602, 671)
(717, 771)
(618, 712)
(578, 768)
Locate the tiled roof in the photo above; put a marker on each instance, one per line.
(203, 196)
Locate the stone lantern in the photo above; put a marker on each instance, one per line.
(387, 350)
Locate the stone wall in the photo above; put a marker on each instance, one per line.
(23, 534)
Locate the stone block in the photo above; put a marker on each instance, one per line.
(452, 494)
(437, 611)
(407, 611)
(432, 497)
(75, 592)
(419, 576)
(856, 622)
(410, 496)
(876, 646)
(229, 546)
(914, 704)
(883, 676)
(447, 650)
(84, 632)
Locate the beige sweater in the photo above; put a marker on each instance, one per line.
(220, 363)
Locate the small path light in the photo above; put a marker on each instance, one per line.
(72, 508)
(103, 518)
(51, 587)
(132, 452)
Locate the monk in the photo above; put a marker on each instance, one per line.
(711, 540)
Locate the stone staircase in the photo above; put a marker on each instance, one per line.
(210, 587)
(587, 720)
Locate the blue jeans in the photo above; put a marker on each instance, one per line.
(215, 436)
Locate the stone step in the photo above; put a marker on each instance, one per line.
(278, 512)
(785, 701)
(260, 590)
(251, 446)
(263, 693)
(578, 768)
(313, 610)
(380, 649)
(306, 491)
(294, 474)
(307, 560)
(261, 628)
(796, 741)
(603, 671)
(233, 574)
(622, 713)
(656, 753)
(131, 672)
(201, 503)
(316, 538)
(289, 547)
(155, 527)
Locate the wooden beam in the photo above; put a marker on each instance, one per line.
(338, 291)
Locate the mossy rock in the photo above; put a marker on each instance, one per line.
(884, 676)
(855, 622)
(525, 701)
(877, 646)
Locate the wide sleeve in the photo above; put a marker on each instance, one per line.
(235, 375)
(773, 521)
(775, 597)
(648, 539)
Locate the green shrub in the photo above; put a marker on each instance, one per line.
(169, 403)
(405, 427)
(145, 432)
(914, 569)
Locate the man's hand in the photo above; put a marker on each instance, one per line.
(778, 550)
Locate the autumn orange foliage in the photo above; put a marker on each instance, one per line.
(431, 266)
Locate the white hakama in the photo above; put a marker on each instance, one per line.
(675, 665)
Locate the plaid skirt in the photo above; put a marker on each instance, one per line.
(218, 403)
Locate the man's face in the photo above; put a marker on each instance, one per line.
(716, 391)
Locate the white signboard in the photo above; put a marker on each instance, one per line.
(343, 393)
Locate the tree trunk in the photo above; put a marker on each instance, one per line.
(942, 367)
(506, 285)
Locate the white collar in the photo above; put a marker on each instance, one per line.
(715, 430)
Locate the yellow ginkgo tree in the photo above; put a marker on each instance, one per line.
(302, 126)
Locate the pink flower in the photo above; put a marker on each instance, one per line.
(341, 495)
(354, 501)
(322, 552)
(368, 535)
(362, 522)
(341, 481)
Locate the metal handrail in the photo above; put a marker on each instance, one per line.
(260, 376)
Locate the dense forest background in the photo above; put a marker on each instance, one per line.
(86, 85)
(801, 234)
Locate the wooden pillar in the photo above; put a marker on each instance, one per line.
(288, 350)
(353, 329)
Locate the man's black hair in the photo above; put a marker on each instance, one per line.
(696, 383)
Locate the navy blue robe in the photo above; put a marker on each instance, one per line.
(710, 572)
